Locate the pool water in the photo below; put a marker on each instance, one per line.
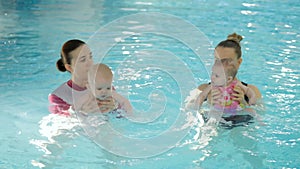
(155, 66)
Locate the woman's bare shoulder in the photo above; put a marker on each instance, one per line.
(256, 90)
(202, 86)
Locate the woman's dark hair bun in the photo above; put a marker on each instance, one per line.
(60, 65)
(235, 37)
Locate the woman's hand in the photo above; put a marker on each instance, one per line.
(239, 95)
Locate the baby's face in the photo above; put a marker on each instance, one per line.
(103, 88)
(218, 77)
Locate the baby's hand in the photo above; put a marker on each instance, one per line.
(216, 96)
(89, 104)
(106, 105)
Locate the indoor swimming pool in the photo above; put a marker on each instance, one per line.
(159, 51)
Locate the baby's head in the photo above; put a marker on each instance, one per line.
(222, 74)
(100, 81)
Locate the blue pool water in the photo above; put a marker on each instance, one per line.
(154, 63)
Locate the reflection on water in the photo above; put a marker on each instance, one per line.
(58, 130)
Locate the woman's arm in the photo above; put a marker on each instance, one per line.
(256, 91)
(239, 93)
(58, 105)
(249, 92)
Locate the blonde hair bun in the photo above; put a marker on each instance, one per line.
(235, 37)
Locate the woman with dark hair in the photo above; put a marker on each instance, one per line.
(76, 58)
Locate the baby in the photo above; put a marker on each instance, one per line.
(223, 79)
(100, 83)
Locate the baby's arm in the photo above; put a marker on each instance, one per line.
(249, 92)
(203, 95)
(125, 104)
(87, 104)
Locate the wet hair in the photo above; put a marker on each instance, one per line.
(233, 41)
(66, 58)
(101, 69)
(98, 70)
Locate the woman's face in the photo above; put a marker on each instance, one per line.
(81, 62)
(228, 54)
